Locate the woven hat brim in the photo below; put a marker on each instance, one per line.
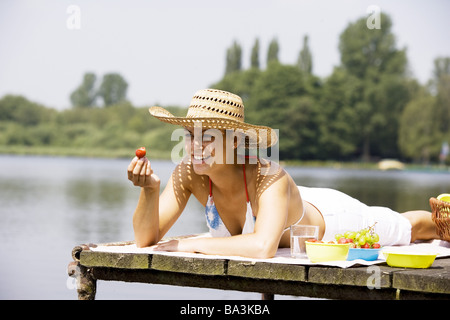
(265, 136)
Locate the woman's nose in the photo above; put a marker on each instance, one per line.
(195, 146)
(197, 143)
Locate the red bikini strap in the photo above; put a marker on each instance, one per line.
(210, 187)
(245, 182)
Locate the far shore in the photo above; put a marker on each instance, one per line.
(128, 153)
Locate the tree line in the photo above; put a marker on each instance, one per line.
(111, 91)
(368, 108)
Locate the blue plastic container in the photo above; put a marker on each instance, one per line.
(364, 254)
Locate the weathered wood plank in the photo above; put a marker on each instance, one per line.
(221, 282)
(265, 270)
(188, 265)
(115, 260)
(435, 279)
(375, 276)
(373, 282)
(294, 288)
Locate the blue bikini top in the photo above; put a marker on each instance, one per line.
(215, 224)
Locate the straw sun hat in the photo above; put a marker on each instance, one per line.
(216, 109)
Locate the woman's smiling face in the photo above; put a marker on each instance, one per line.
(204, 146)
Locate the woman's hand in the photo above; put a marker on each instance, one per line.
(141, 174)
(174, 245)
(171, 245)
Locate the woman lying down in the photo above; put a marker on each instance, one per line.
(250, 203)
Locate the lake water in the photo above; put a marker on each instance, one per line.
(50, 204)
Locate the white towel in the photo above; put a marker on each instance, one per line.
(283, 255)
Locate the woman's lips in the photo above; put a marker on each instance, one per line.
(200, 158)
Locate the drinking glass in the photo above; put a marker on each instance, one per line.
(299, 234)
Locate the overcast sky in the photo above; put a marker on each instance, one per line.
(166, 50)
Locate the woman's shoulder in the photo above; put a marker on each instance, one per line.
(185, 175)
(267, 174)
(269, 170)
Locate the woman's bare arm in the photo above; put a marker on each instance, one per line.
(154, 213)
(273, 206)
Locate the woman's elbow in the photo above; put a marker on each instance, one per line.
(141, 244)
(265, 250)
(145, 242)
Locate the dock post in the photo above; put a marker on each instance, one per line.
(86, 283)
(267, 296)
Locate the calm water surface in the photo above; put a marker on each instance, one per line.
(48, 205)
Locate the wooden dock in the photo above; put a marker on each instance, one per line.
(357, 283)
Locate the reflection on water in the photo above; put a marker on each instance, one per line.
(399, 190)
(49, 205)
(97, 206)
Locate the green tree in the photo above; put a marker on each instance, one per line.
(386, 101)
(441, 85)
(113, 89)
(20, 110)
(339, 95)
(299, 133)
(372, 57)
(441, 67)
(272, 90)
(369, 53)
(254, 59)
(234, 58)
(418, 133)
(86, 94)
(272, 52)
(240, 83)
(305, 57)
(274, 100)
(23, 122)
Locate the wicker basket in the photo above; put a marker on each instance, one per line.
(441, 217)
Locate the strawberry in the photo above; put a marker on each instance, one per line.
(140, 153)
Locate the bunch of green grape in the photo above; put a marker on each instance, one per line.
(365, 238)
